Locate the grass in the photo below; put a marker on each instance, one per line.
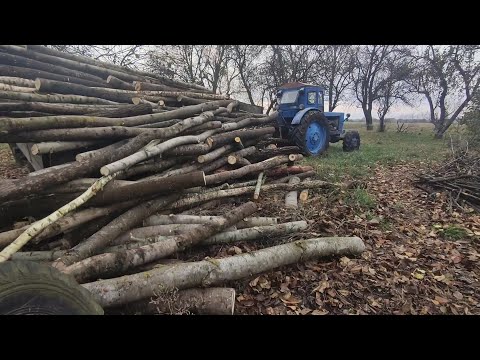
(388, 148)
(454, 232)
(360, 197)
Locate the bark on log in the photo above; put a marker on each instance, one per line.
(58, 62)
(256, 232)
(228, 137)
(142, 86)
(81, 157)
(291, 196)
(83, 184)
(38, 255)
(71, 121)
(124, 111)
(195, 219)
(152, 167)
(215, 154)
(59, 146)
(263, 154)
(149, 187)
(289, 170)
(220, 194)
(139, 286)
(256, 193)
(101, 239)
(59, 87)
(22, 114)
(304, 175)
(113, 263)
(157, 149)
(32, 74)
(147, 234)
(249, 169)
(210, 301)
(37, 227)
(17, 81)
(74, 99)
(14, 88)
(208, 168)
(119, 84)
(28, 185)
(87, 60)
(59, 109)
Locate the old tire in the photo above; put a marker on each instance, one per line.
(312, 135)
(351, 141)
(29, 288)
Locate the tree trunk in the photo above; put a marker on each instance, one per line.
(381, 127)
(113, 263)
(210, 301)
(368, 119)
(32, 74)
(139, 286)
(101, 239)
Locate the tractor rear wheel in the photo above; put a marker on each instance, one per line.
(351, 141)
(29, 288)
(312, 135)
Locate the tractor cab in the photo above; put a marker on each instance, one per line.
(301, 117)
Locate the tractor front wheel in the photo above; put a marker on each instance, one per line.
(351, 141)
(312, 135)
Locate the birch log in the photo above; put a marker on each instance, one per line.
(211, 272)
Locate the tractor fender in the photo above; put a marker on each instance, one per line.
(298, 116)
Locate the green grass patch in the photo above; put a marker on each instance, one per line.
(389, 148)
(454, 232)
(359, 197)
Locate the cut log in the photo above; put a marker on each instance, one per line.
(125, 289)
(101, 239)
(143, 234)
(40, 225)
(210, 301)
(90, 154)
(60, 62)
(59, 146)
(256, 193)
(15, 60)
(142, 86)
(74, 99)
(228, 137)
(304, 193)
(149, 187)
(124, 111)
(114, 263)
(59, 87)
(263, 154)
(119, 84)
(256, 232)
(59, 109)
(17, 81)
(300, 176)
(32, 74)
(14, 88)
(249, 169)
(194, 199)
(195, 219)
(289, 170)
(38, 255)
(291, 196)
(215, 154)
(28, 185)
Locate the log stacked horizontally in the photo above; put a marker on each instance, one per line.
(130, 166)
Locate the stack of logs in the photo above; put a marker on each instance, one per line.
(142, 155)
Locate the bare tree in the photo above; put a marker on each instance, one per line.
(448, 77)
(366, 77)
(392, 85)
(334, 68)
(246, 59)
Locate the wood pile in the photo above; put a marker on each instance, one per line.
(126, 162)
(459, 177)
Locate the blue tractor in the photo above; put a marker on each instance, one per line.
(301, 118)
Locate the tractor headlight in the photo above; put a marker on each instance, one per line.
(301, 107)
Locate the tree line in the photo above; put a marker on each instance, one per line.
(374, 77)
